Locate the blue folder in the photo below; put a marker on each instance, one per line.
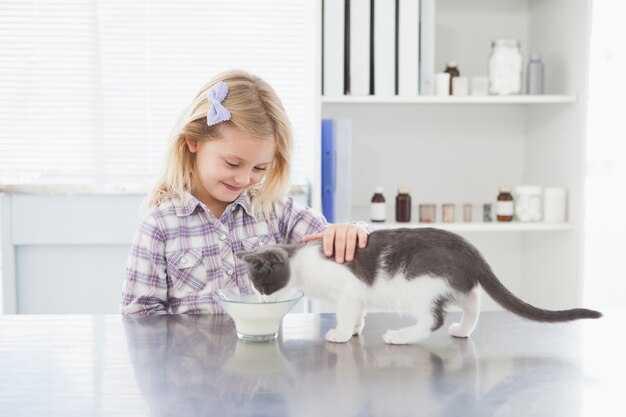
(329, 169)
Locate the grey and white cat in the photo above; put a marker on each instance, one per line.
(416, 272)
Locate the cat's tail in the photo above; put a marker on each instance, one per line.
(500, 294)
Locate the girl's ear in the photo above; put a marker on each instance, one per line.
(191, 144)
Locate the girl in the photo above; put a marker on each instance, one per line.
(222, 191)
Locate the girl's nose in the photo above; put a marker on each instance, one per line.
(242, 178)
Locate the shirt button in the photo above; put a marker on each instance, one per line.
(229, 272)
(222, 237)
(183, 260)
(260, 244)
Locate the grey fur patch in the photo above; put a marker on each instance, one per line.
(419, 252)
(439, 310)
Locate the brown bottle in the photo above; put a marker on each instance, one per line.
(453, 70)
(403, 205)
(378, 209)
(505, 207)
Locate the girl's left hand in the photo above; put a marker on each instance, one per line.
(343, 238)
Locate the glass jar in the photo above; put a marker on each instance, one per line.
(487, 217)
(467, 212)
(403, 205)
(448, 213)
(528, 203)
(505, 67)
(427, 213)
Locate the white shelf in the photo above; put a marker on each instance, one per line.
(480, 226)
(517, 99)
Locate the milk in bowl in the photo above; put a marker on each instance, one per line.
(256, 320)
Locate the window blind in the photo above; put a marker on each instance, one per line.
(90, 91)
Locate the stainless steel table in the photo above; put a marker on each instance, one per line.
(194, 366)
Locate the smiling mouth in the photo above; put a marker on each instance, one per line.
(231, 188)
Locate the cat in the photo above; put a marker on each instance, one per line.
(417, 272)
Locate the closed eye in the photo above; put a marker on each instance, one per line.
(231, 164)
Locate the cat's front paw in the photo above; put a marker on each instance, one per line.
(455, 330)
(358, 328)
(336, 337)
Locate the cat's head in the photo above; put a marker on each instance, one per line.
(268, 268)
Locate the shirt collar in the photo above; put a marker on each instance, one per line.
(244, 201)
(186, 204)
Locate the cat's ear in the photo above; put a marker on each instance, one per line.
(251, 258)
(242, 254)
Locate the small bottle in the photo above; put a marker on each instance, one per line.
(403, 205)
(467, 212)
(535, 75)
(487, 217)
(453, 70)
(448, 213)
(505, 207)
(378, 207)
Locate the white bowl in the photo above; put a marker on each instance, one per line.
(254, 319)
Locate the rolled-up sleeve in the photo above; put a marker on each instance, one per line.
(297, 221)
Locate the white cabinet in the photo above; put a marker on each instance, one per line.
(65, 254)
(460, 150)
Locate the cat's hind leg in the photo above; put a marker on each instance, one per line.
(470, 307)
(426, 324)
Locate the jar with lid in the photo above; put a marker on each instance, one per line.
(505, 206)
(505, 67)
(403, 205)
(378, 206)
(528, 203)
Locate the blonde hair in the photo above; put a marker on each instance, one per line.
(255, 110)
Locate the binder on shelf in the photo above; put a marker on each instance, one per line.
(384, 38)
(408, 47)
(427, 47)
(333, 33)
(337, 170)
(343, 170)
(328, 169)
(359, 47)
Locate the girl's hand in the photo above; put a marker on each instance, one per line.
(340, 239)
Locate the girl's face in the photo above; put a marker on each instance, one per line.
(228, 166)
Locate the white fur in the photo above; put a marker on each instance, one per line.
(319, 278)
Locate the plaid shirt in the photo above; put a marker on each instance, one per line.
(182, 253)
